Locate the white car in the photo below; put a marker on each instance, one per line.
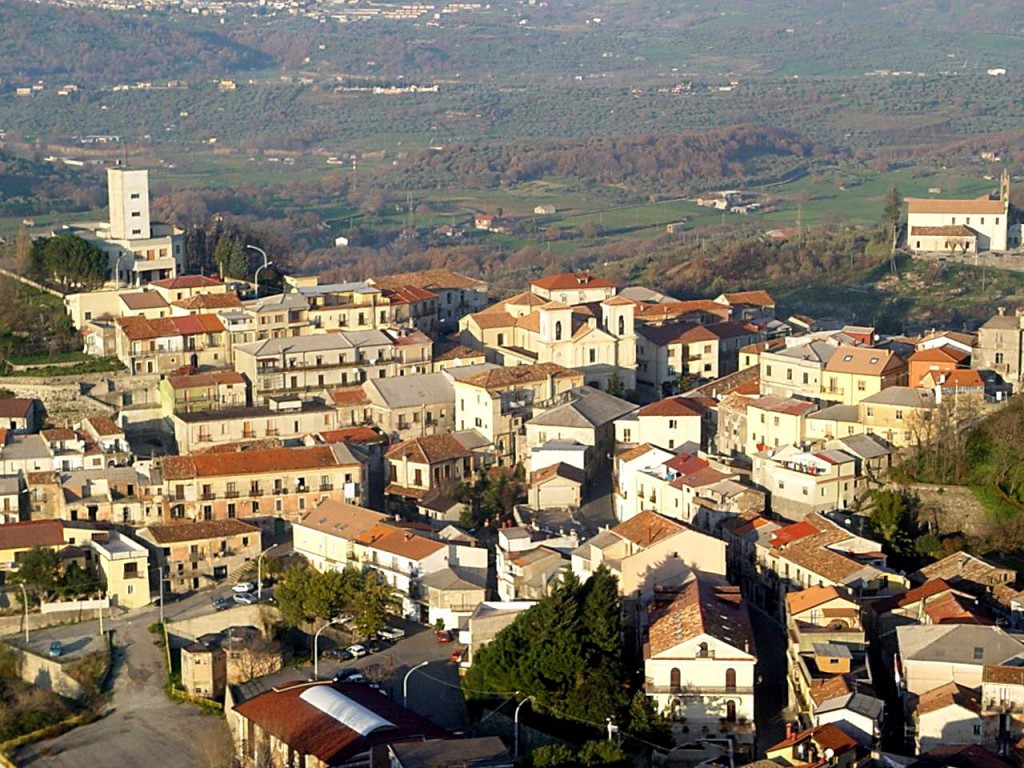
(358, 651)
(393, 634)
(244, 586)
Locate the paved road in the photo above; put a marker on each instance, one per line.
(771, 710)
(143, 725)
(434, 690)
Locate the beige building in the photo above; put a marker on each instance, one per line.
(949, 714)
(121, 565)
(1000, 346)
(168, 344)
(961, 226)
(139, 249)
(277, 482)
(803, 483)
(497, 403)
(773, 421)
(197, 554)
(669, 423)
(457, 295)
(282, 419)
(855, 373)
(795, 371)
(423, 464)
(326, 535)
(649, 552)
(699, 660)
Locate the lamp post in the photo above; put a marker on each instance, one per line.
(24, 600)
(405, 682)
(160, 570)
(316, 647)
(266, 263)
(259, 572)
(515, 742)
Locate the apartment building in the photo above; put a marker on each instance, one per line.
(457, 295)
(498, 403)
(192, 555)
(172, 343)
(795, 371)
(803, 483)
(274, 482)
(420, 465)
(855, 373)
(202, 392)
(283, 418)
(310, 364)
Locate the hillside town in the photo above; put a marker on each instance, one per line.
(469, 461)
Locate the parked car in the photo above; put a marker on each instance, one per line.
(349, 675)
(222, 603)
(246, 598)
(358, 651)
(376, 646)
(56, 649)
(168, 597)
(338, 654)
(244, 586)
(391, 633)
(459, 655)
(444, 636)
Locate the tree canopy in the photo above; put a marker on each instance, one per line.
(566, 652)
(306, 596)
(70, 261)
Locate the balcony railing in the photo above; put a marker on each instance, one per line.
(230, 494)
(255, 492)
(279, 491)
(326, 486)
(208, 496)
(694, 690)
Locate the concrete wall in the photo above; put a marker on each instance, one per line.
(259, 616)
(46, 673)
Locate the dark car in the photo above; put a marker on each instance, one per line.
(222, 603)
(349, 675)
(375, 646)
(340, 654)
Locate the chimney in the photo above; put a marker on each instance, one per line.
(789, 730)
(1001, 311)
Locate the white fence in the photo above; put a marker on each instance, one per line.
(75, 605)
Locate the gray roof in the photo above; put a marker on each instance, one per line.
(318, 342)
(408, 391)
(561, 445)
(23, 447)
(461, 578)
(9, 484)
(471, 439)
(1008, 322)
(860, 703)
(588, 408)
(908, 397)
(248, 413)
(956, 643)
(643, 293)
(277, 302)
(600, 542)
(480, 752)
(837, 412)
(321, 290)
(862, 446)
(814, 352)
(461, 372)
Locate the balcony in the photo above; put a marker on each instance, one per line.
(230, 494)
(280, 491)
(326, 486)
(255, 492)
(208, 496)
(693, 690)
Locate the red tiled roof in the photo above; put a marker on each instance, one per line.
(571, 281)
(561, 469)
(794, 532)
(251, 462)
(400, 542)
(983, 204)
(32, 533)
(829, 688)
(307, 730)
(702, 608)
(500, 378)
(199, 530)
(827, 736)
(210, 379)
(430, 449)
(948, 695)
(103, 426)
(798, 602)
(757, 298)
(635, 453)
(143, 300)
(139, 328)
(672, 406)
(431, 279)
(210, 301)
(187, 281)
(353, 435)
(407, 294)
(349, 396)
(15, 407)
(648, 528)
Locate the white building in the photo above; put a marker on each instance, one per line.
(961, 226)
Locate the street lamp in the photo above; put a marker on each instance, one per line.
(405, 682)
(316, 647)
(259, 571)
(24, 600)
(515, 742)
(266, 263)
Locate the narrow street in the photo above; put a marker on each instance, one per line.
(142, 725)
(771, 703)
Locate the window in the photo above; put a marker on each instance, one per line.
(789, 374)
(593, 355)
(977, 728)
(861, 385)
(622, 322)
(767, 370)
(899, 415)
(672, 423)
(558, 330)
(999, 358)
(979, 653)
(730, 679)
(675, 679)
(134, 196)
(806, 378)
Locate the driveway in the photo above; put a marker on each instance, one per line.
(142, 724)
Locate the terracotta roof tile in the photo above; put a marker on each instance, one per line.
(430, 279)
(805, 599)
(251, 462)
(188, 281)
(400, 542)
(32, 533)
(648, 528)
(15, 407)
(673, 406)
(571, 281)
(561, 469)
(701, 608)
(430, 449)
(757, 298)
(200, 530)
(983, 204)
(501, 378)
(951, 694)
